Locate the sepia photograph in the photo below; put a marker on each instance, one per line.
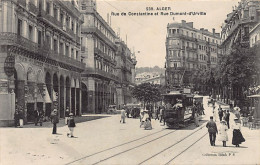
(130, 82)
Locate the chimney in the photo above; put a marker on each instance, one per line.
(213, 31)
(201, 29)
(183, 22)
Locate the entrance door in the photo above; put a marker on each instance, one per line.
(30, 109)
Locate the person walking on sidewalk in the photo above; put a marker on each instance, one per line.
(226, 118)
(16, 118)
(222, 133)
(220, 113)
(213, 130)
(67, 115)
(41, 117)
(55, 120)
(36, 117)
(237, 135)
(123, 115)
(237, 114)
(71, 125)
(21, 118)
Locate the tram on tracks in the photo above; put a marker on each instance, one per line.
(178, 108)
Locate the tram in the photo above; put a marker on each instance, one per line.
(178, 108)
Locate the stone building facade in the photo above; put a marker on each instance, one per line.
(109, 67)
(189, 50)
(125, 70)
(40, 56)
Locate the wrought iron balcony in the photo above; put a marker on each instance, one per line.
(7, 38)
(101, 73)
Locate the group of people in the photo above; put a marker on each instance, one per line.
(69, 120)
(224, 117)
(38, 117)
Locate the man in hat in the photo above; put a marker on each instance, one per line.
(227, 116)
(212, 129)
(55, 120)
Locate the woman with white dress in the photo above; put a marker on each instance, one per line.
(222, 133)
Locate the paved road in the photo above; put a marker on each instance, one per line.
(106, 141)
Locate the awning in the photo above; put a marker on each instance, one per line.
(46, 95)
(39, 96)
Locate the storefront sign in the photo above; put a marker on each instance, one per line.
(9, 65)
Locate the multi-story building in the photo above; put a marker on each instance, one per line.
(40, 57)
(125, 71)
(98, 52)
(238, 25)
(108, 76)
(188, 50)
(241, 27)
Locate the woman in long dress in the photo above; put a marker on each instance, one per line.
(222, 133)
(237, 135)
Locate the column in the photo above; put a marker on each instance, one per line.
(35, 35)
(80, 101)
(25, 29)
(58, 14)
(51, 8)
(75, 100)
(75, 27)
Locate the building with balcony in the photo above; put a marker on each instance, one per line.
(254, 35)
(125, 70)
(99, 80)
(40, 57)
(189, 50)
(157, 79)
(238, 25)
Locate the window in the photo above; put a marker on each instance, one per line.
(67, 50)
(55, 45)
(61, 18)
(61, 48)
(55, 13)
(19, 27)
(72, 53)
(48, 7)
(39, 37)
(72, 26)
(30, 32)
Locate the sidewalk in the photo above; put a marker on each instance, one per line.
(203, 153)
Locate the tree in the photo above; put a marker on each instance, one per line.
(146, 92)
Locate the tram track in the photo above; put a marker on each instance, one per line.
(171, 146)
(143, 141)
(129, 142)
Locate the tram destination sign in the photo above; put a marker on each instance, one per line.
(9, 65)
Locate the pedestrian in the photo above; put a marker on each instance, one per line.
(227, 116)
(250, 122)
(157, 113)
(222, 133)
(220, 113)
(71, 125)
(16, 118)
(213, 130)
(21, 118)
(36, 117)
(55, 120)
(196, 119)
(123, 115)
(237, 135)
(145, 118)
(67, 112)
(147, 124)
(161, 114)
(237, 114)
(41, 117)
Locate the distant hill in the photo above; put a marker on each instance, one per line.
(150, 69)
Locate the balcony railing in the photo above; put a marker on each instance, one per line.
(7, 38)
(49, 18)
(102, 73)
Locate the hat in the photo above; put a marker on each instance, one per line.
(55, 110)
(71, 114)
(235, 118)
(237, 108)
(145, 110)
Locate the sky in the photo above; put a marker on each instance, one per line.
(147, 34)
